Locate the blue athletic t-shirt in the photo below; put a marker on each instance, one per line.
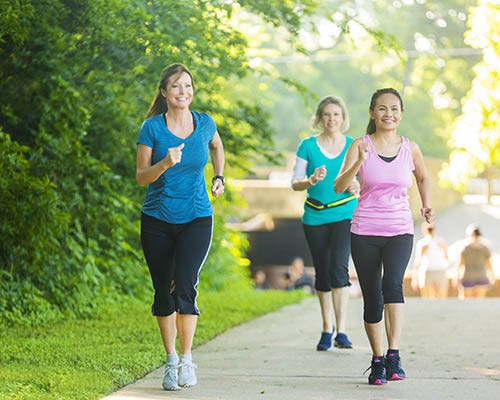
(323, 191)
(179, 195)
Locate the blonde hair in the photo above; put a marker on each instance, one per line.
(316, 119)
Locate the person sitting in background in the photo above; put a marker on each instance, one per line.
(260, 280)
(298, 278)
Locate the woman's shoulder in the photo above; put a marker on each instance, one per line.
(204, 120)
(349, 139)
(152, 122)
(358, 140)
(308, 141)
(410, 143)
(202, 116)
(152, 119)
(413, 147)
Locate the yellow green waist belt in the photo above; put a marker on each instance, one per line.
(318, 205)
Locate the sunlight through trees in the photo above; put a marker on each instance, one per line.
(475, 141)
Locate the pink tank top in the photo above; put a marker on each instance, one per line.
(384, 207)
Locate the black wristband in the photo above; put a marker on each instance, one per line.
(218, 177)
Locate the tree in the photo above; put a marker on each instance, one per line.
(420, 52)
(475, 140)
(76, 78)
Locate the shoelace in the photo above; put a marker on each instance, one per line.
(171, 373)
(189, 364)
(392, 362)
(376, 367)
(343, 340)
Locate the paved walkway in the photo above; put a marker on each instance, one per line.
(450, 349)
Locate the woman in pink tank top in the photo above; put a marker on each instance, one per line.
(382, 225)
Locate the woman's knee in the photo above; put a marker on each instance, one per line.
(163, 305)
(393, 292)
(186, 304)
(373, 312)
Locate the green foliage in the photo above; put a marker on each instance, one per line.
(277, 12)
(13, 20)
(475, 139)
(352, 50)
(63, 245)
(76, 78)
(226, 267)
(89, 358)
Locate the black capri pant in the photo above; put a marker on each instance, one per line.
(330, 247)
(380, 285)
(175, 254)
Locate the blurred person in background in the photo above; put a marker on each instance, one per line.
(260, 280)
(430, 270)
(475, 272)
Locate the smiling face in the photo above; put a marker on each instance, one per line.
(387, 113)
(332, 118)
(179, 91)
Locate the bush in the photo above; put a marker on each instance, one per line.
(57, 254)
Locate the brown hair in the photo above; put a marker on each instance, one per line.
(159, 104)
(371, 124)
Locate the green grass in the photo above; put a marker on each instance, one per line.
(87, 359)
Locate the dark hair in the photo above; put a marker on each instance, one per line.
(159, 104)
(473, 230)
(321, 107)
(371, 124)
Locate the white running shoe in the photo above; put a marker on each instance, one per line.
(187, 376)
(170, 377)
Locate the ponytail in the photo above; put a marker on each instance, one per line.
(158, 105)
(371, 128)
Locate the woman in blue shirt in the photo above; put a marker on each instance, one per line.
(177, 217)
(327, 215)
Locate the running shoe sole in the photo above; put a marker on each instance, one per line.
(396, 377)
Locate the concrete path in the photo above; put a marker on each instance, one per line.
(450, 348)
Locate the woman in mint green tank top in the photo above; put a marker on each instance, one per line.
(327, 215)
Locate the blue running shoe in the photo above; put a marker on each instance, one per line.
(378, 374)
(342, 342)
(393, 367)
(325, 342)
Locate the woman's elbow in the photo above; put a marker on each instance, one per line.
(140, 180)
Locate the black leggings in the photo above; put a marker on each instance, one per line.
(175, 254)
(330, 247)
(369, 253)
